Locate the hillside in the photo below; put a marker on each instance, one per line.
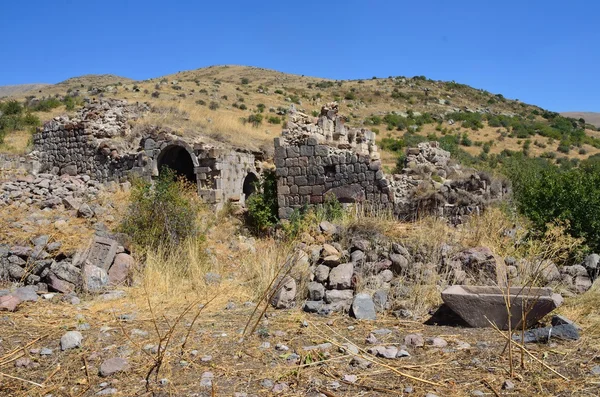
(246, 106)
(15, 90)
(589, 117)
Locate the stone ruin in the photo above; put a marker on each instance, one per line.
(319, 157)
(98, 143)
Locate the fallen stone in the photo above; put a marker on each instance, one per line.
(480, 305)
(9, 303)
(26, 294)
(206, 379)
(350, 378)
(120, 271)
(363, 307)
(414, 340)
(285, 297)
(71, 340)
(544, 335)
(508, 385)
(437, 342)
(84, 211)
(316, 291)
(340, 277)
(94, 278)
(112, 366)
(327, 228)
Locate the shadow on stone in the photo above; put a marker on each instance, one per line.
(446, 316)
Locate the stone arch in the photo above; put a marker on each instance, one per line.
(180, 157)
(249, 185)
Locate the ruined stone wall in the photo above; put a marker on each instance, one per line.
(76, 146)
(315, 159)
(97, 143)
(222, 173)
(12, 165)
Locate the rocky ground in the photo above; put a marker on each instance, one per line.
(113, 344)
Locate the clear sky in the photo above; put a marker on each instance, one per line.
(541, 52)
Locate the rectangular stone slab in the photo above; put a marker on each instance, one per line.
(102, 252)
(478, 304)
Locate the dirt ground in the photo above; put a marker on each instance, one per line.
(194, 343)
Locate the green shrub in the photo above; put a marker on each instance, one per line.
(546, 193)
(280, 92)
(260, 107)
(163, 214)
(274, 120)
(245, 81)
(255, 119)
(332, 208)
(213, 105)
(46, 105)
(200, 102)
(262, 204)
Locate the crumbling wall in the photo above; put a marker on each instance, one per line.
(97, 143)
(315, 157)
(75, 146)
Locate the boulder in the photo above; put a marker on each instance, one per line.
(120, 271)
(102, 252)
(480, 263)
(285, 296)
(363, 308)
(59, 285)
(322, 273)
(337, 296)
(27, 293)
(85, 211)
(340, 277)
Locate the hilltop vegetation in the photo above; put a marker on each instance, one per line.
(247, 106)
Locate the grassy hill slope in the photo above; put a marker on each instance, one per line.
(246, 106)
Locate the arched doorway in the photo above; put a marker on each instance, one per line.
(179, 160)
(250, 183)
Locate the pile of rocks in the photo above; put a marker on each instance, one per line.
(43, 266)
(49, 191)
(431, 183)
(366, 274)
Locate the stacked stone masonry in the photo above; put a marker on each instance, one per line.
(317, 157)
(92, 144)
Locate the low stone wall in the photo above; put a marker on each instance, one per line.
(14, 165)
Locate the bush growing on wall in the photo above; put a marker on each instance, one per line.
(262, 204)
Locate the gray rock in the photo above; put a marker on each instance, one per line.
(71, 340)
(206, 379)
(380, 299)
(508, 385)
(40, 240)
(595, 370)
(94, 278)
(335, 296)
(285, 296)
(437, 342)
(46, 351)
(85, 211)
(363, 307)
(340, 277)
(414, 340)
(27, 293)
(316, 291)
(328, 228)
(322, 273)
(107, 392)
(113, 365)
(120, 271)
(212, 278)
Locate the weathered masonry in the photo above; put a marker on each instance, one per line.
(316, 157)
(94, 144)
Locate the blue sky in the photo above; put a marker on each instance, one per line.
(541, 52)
